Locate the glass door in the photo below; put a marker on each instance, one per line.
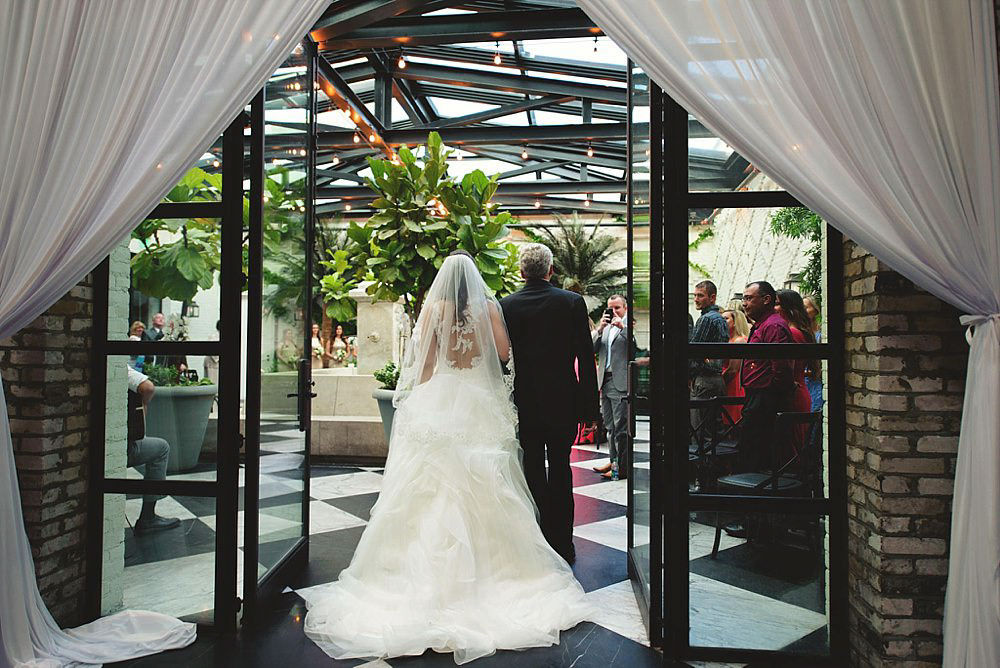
(275, 511)
(645, 452)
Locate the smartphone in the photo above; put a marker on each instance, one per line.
(609, 313)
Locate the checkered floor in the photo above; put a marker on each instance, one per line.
(747, 597)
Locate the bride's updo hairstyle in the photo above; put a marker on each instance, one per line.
(463, 289)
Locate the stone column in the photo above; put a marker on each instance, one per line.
(378, 331)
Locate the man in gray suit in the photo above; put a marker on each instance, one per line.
(612, 345)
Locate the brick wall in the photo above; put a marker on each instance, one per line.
(45, 371)
(906, 358)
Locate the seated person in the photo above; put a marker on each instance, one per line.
(149, 455)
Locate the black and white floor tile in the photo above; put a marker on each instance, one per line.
(742, 598)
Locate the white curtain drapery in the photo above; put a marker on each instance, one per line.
(881, 117)
(106, 104)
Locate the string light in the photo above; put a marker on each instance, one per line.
(357, 138)
(458, 156)
(586, 202)
(347, 207)
(336, 160)
(401, 63)
(372, 137)
(216, 163)
(524, 154)
(538, 205)
(496, 56)
(302, 152)
(590, 151)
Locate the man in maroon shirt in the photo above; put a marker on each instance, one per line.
(768, 383)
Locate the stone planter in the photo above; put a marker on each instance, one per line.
(385, 408)
(179, 415)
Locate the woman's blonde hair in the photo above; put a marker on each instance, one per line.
(137, 323)
(741, 327)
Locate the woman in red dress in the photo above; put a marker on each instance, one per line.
(739, 330)
(793, 310)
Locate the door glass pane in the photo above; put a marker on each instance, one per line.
(159, 425)
(168, 569)
(639, 546)
(282, 444)
(764, 587)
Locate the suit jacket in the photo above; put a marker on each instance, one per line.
(618, 362)
(146, 336)
(549, 331)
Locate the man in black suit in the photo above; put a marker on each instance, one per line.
(154, 333)
(555, 388)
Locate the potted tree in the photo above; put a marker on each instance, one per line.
(178, 413)
(423, 215)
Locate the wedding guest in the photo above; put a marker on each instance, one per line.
(739, 330)
(318, 346)
(705, 375)
(768, 383)
(149, 454)
(814, 371)
(288, 352)
(338, 349)
(789, 306)
(154, 333)
(614, 346)
(135, 333)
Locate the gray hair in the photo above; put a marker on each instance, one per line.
(536, 260)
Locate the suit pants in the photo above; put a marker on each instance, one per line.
(614, 412)
(552, 491)
(758, 439)
(149, 456)
(706, 420)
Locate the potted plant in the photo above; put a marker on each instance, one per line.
(178, 413)
(388, 376)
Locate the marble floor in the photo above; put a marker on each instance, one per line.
(749, 596)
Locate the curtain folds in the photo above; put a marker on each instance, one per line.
(106, 104)
(883, 118)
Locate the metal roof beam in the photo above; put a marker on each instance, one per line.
(512, 83)
(494, 134)
(328, 72)
(339, 19)
(499, 112)
(506, 189)
(458, 28)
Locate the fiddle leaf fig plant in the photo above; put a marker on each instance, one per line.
(423, 215)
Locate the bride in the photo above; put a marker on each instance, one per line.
(452, 558)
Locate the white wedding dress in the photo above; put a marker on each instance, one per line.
(452, 558)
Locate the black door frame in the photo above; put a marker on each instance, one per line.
(225, 488)
(670, 502)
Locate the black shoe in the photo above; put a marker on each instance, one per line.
(155, 523)
(735, 530)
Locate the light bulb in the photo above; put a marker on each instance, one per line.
(401, 63)
(357, 138)
(347, 207)
(216, 163)
(302, 152)
(372, 137)
(586, 202)
(458, 156)
(524, 154)
(590, 151)
(538, 205)
(336, 160)
(496, 56)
